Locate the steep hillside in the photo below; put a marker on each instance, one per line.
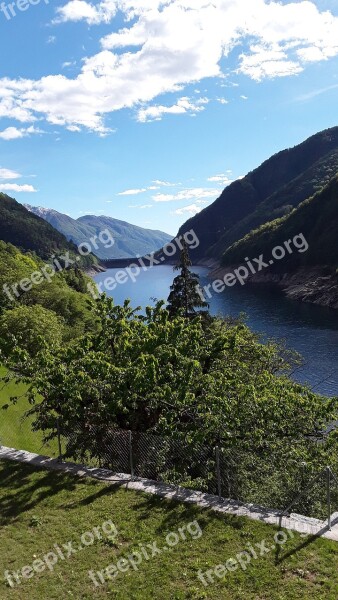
(315, 218)
(272, 190)
(129, 240)
(27, 231)
(283, 201)
(310, 275)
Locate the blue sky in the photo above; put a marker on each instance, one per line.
(144, 110)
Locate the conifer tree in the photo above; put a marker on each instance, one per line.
(185, 295)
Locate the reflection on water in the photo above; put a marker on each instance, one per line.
(309, 329)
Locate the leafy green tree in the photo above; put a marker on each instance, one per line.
(30, 328)
(186, 294)
(65, 294)
(195, 382)
(215, 383)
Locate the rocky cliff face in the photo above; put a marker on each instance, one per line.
(316, 285)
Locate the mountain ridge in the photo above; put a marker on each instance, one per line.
(233, 214)
(129, 240)
(28, 231)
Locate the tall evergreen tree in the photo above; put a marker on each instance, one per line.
(185, 295)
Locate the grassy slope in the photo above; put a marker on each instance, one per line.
(16, 432)
(39, 509)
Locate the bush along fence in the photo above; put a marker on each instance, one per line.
(275, 481)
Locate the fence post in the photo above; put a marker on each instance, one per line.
(131, 453)
(59, 440)
(328, 487)
(218, 469)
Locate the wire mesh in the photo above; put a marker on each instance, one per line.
(274, 480)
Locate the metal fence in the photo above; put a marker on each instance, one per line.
(275, 481)
(143, 455)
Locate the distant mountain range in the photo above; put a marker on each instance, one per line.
(130, 240)
(270, 192)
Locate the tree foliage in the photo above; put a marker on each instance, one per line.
(212, 382)
(64, 295)
(185, 295)
(31, 328)
(198, 383)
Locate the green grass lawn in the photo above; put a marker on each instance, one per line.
(16, 432)
(39, 509)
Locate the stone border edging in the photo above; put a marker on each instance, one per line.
(294, 522)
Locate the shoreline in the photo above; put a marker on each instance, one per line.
(313, 285)
(95, 270)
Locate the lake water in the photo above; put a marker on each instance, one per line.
(309, 329)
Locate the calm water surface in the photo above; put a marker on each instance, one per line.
(309, 329)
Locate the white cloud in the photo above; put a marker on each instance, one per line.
(222, 100)
(187, 194)
(311, 54)
(157, 185)
(229, 84)
(160, 183)
(191, 209)
(79, 10)
(183, 106)
(8, 174)
(141, 206)
(267, 62)
(13, 133)
(244, 97)
(11, 105)
(74, 128)
(51, 39)
(166, 45)
(222, 179)
(68, 63)
(14, 187)
(132, 192)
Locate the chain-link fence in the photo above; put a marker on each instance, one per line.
(272, 480)
(143, 455)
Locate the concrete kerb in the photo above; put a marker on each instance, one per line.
(294, 522)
